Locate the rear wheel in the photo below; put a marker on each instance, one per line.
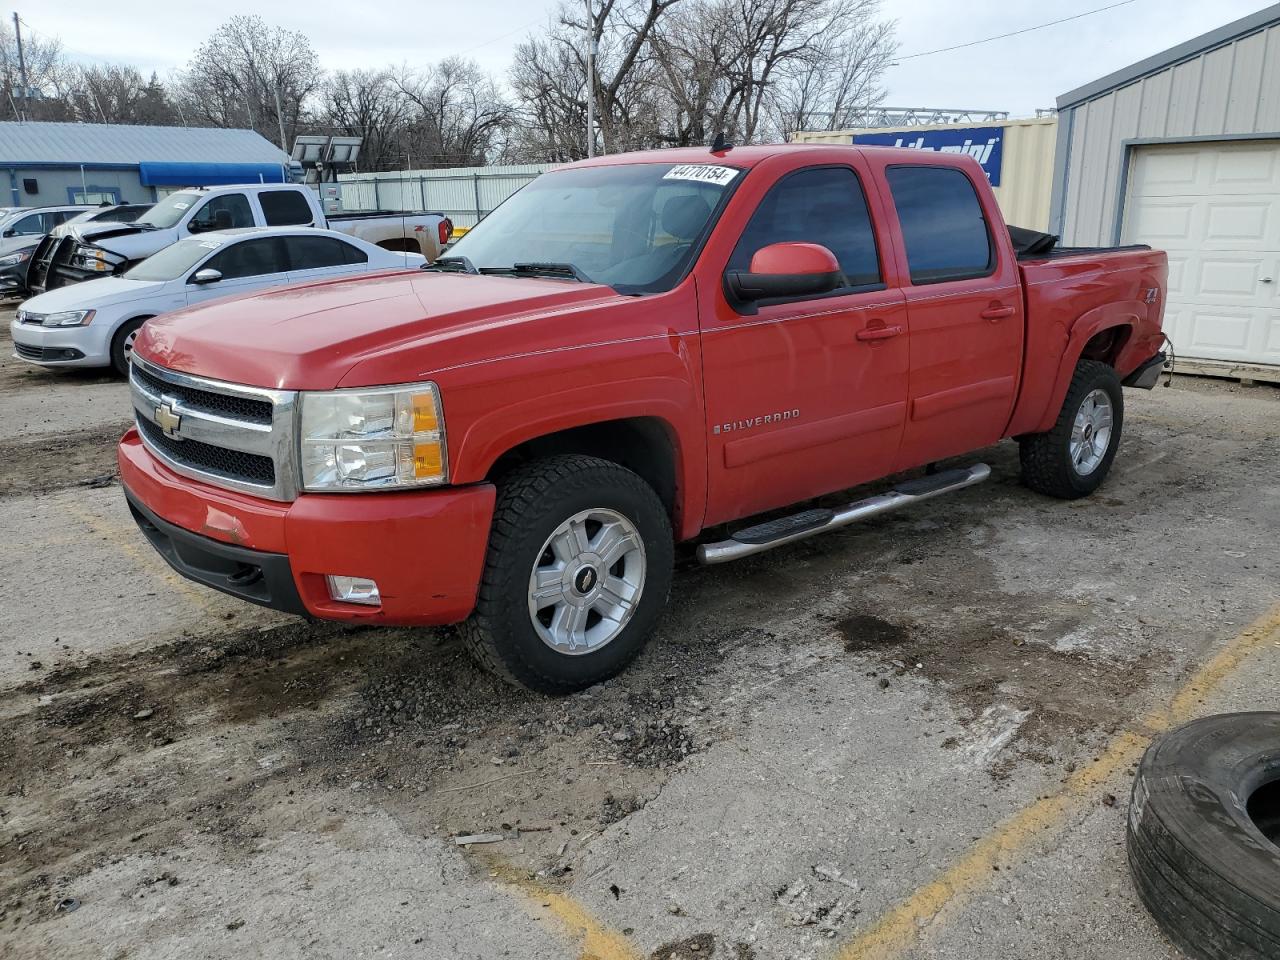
(122, 344)
(577, 573)
(1072, 459)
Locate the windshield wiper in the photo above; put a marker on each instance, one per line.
(451, 265)
(560, 271)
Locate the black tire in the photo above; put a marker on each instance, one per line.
(532, 502)
(1047, 464)
(121, 347)
(1204, 820)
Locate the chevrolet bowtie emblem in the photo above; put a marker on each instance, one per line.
(167, 419)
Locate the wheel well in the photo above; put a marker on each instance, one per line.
(1105, 345)
(400, 245)
(641, 444)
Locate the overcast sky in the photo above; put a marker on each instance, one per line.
(1017, 74)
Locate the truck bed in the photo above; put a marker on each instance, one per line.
(1071, 286)
(375, 214)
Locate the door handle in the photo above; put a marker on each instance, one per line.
(878, 333)
(997, 312)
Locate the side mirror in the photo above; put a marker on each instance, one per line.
(195, 227)
(11, 232)
(207, 275)
(786, 270)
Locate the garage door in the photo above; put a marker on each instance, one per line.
(1215, 207)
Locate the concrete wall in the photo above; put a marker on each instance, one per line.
(54, 183)
(1226, 89)
(1025, 172)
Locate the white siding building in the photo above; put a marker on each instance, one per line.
(1182, 151)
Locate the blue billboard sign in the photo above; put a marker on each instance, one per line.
(984, 144)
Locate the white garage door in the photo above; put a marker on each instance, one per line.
(1215, 207)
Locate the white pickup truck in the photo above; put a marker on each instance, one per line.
(103, 249)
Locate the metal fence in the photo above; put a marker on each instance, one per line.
(464, 194)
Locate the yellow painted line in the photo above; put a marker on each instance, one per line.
(597, 940)
(125, 542)
(898, 930)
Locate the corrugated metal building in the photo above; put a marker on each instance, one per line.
(1182, 151)
(1022, 185)
(464, 194)
(55, 163)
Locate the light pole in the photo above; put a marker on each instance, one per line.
(591, 83)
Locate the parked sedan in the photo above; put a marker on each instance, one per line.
(21, 230)
(94, 324)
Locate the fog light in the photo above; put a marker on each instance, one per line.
(354, 590)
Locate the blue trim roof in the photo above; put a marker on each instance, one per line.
(72, 144)
(208, 174)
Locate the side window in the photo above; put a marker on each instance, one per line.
(943, 227)
(312, 253)
(285, 208)
(823, 205)
(31, 226)
(225, 212)
(249, 258)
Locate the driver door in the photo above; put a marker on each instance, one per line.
(245, 265)
(805, 396)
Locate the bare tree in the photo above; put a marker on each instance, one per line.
(840, 78)
(550, 78)
(368, 104)
(457, 115)
(116, 93)
(47, 74)
(239, 75)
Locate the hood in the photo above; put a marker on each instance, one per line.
(10, 245)
(392, 327)
(126, 239)
(92, 294)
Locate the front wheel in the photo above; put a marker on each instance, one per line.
(577, 573)
(122, 344)
(1072, 459)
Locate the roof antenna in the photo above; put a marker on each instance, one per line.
(720, 144)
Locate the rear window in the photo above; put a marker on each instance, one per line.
(943, 227)
(312, 253)
(285, 208)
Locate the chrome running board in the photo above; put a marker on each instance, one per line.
(801, 526)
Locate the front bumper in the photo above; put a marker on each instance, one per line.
(84, 346)
(425, 549)
(13, 280)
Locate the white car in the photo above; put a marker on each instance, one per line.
(94, 324)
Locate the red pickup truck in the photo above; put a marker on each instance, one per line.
(630, 351)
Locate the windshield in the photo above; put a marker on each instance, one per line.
(176, 259)
(634, 227)
(169, 210)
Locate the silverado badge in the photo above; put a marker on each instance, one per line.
(167, 419)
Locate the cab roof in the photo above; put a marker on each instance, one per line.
(748, 156)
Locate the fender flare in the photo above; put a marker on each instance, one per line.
(501, 431)
(1124, 313)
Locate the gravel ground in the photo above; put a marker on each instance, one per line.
(813, 734)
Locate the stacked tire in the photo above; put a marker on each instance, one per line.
(1204, 824)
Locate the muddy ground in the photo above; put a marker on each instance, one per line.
(812, 734)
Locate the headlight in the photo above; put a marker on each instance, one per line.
(95, 258)
(386, 438)
(13, 259)
(67, 318)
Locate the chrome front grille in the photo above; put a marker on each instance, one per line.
(226, 434)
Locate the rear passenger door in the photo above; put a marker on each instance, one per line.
(285, 208)
(318, 257)
(964, 305)
(245, 265)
